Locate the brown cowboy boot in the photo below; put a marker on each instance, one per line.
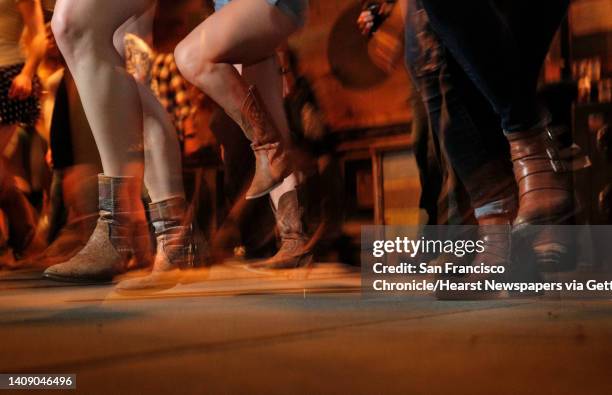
(543, 177)
(295, 250)
(180, 246)
(121, 234)
(271, 158)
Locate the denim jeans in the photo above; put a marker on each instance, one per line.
(501, 46)
(467, 128)
(296, 9)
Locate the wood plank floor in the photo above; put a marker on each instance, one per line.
(240, 332)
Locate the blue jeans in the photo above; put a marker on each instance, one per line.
(501, 49)
(294, 8)
(220, 4)
(467, 129)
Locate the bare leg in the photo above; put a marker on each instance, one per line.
(84, 30)
(162, 156)
(163, 174)
(243, 32)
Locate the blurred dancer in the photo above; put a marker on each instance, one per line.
(19, 105)
(136, 141)
(454, 107)
(248, 32)
(502, 48)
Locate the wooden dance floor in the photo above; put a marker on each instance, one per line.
(233, 331)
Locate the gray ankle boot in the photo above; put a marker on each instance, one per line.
(121, 234)
(180, 246)
(295, 250)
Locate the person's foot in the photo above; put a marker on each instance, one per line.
(97, 262)
(554, 249)
(493, 261)
(180, 247)
(121, 235)
(295, 250)
(543, 177)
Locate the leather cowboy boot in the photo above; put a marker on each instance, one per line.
(554, 249)
(495, 232)
(271, 158)
(543, 177)
(180, 246)
(295, 250)
(121, 234)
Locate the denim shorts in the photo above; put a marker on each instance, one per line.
(296, 9)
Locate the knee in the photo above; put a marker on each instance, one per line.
(67, 28)
(194, 63)
(188, 61)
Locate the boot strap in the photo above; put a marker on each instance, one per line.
(542, 182)
(174, 231)
(117, 194)
(173, 209)
(561, 160)
(179, 246)
(528, 167)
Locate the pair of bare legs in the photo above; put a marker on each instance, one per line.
(245, 32)
(118, 109)
(125, 117)
(136, 142)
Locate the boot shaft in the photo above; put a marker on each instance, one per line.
(290, 216)
(543, 176)
(121, 207)
(172, 221)
(256, 122)
(272, 163)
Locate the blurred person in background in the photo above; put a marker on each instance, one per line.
(501, 46)
(457, 110)
(21, 21)
(480, 158)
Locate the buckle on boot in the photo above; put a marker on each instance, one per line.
(567, 160)
(558, 165)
